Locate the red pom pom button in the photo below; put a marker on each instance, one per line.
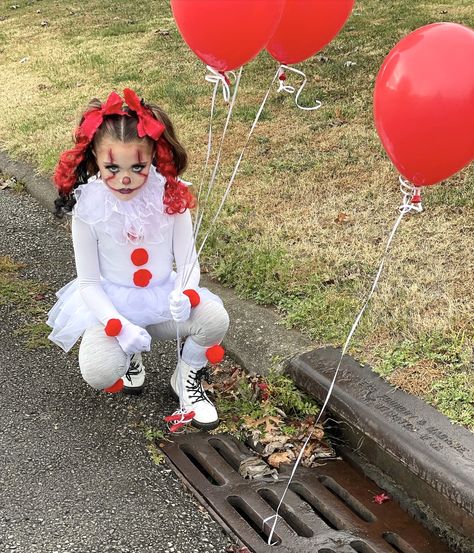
(113, 327)
(139, 257)
(215, 354)
(115, 388)
(142, 277)
(193, 297)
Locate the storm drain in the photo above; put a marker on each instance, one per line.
(329, 509)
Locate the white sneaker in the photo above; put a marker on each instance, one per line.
(134, 378)
(194, 397)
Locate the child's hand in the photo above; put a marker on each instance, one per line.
(133, 339)
(180, 306)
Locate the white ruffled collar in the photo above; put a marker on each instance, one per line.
(142, 219)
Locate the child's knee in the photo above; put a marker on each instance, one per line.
(213, 321)
(101, 359)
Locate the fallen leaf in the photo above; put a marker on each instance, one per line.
(254, 468)
(342, 218)
(271, 423)
(337, 122)
(8, 183)
(236, 549)
(276, 459)
(381, 498)
(273, 443)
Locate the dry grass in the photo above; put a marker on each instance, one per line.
(417, 379)
(316, 196)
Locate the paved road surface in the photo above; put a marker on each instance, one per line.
(75, 475)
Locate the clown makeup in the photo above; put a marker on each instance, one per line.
(124, 166)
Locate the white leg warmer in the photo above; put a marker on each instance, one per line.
(206, 327)
(101, 359)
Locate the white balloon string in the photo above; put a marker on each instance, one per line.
(219, 152)
(217, 82)
(209, 146)
(221, 78)
(179, 419)
(211, 185)
(201, 205)
(291, 89)
(179, 382)
(234, 173)
(411, 203)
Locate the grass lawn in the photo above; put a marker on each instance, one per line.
(316, 196)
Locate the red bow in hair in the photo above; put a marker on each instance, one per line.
(147, 124)
(93, 118)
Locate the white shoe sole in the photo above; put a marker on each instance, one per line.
(194, 422)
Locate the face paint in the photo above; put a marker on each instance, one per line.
(124, 166)
(140, 162)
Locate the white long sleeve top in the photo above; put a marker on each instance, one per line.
(125, 251)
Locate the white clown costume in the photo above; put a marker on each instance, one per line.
(124, 252)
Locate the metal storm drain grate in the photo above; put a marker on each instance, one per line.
(327, 510)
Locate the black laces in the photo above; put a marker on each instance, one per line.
(194, 385)
(133, 370)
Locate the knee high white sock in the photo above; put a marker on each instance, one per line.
(193, 354)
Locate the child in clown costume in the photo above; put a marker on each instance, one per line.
(130, 223)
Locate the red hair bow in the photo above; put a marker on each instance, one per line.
(147, 124)
(93, 118)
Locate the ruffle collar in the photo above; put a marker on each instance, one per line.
(142, 219)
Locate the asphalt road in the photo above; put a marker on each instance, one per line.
(75, 474)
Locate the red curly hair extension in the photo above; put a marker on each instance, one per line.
(65, 176)
(177, 196)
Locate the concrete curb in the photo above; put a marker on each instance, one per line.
(418, 447)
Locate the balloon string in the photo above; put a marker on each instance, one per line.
(181, 416)
(291, 89)
(411, 195)
(209, 144)
(199, 214)
(219, 153)
(234, 173)
(219, 77)
(217, 81)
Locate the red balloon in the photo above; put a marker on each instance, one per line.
(227, 34)
(306, 27)
(424, 103)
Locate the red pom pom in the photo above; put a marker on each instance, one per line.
(113, 327)
(139, 256)
(142, 277)
(215, 354)
(115, 388)
(193, 297)
(282, 77)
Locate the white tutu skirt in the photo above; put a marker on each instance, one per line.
(70, 316)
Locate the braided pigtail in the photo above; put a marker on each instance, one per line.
(171, 161)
